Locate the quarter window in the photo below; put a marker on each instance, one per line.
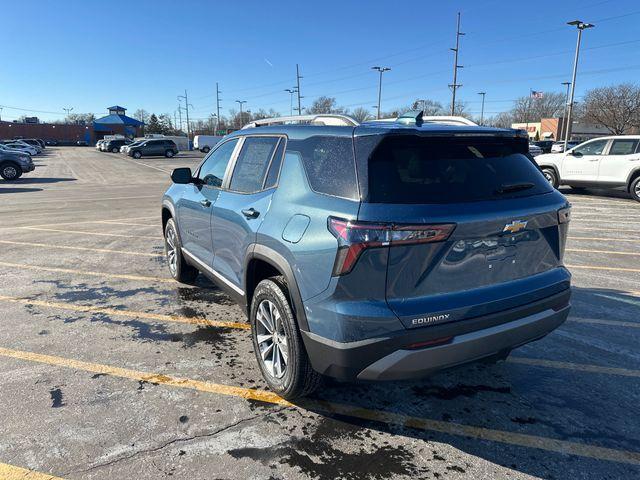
(623, 147)
(252, 164)
(274, 168)
(213, 168)
(591, 148)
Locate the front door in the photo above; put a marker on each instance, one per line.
(196, 204)
(581, 163)
(242, 206)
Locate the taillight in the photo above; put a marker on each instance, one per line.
(564, 214)
(355, 237)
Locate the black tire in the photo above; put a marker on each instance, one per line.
(634, 189)
(551, 176)
(183, 272)
(299, 378)
(169, 153)
(115, 150)
(578, 189)
(137, 155)
(10, 171)
(205, 150)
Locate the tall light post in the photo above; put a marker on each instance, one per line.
(580, 25)
(563, 131)
(381, 70)
(67, 110)
(291, 92)
(482, 108)
(241, 102)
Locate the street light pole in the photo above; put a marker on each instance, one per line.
(218, 92)
(291, 92)
(563, 130)
(67, 110)
(580, 25)
(482, 108)
(241, 102)
(381, 70)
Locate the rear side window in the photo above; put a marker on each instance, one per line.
(623, 147)
(252, 164)
(412, 169)
(274, 168)
(329, 164)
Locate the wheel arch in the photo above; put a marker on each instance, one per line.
(635, 173)
(168, 211)
(264, 262)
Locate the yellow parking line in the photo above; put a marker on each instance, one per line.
(576, 367)
(390, 418)
(597, 321)
(126, 313)
(79, 232)
(10, 472)
(603, 239)
(86, 249)
(609, 252)
(594, 267)
(89, 273)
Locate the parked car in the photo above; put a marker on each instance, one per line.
(24, 147)
(14, 164)
(115, 144)
(558, 147)
(42, 143)
(154, 147)
(125, 148)
(204, 143)
(33, 142)
(99, 144)
(379, 251)
(606, 162)
(52, 143)
(6, 148)
(82, 143)
(534, 150)
(545, 145)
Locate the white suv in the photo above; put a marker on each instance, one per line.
(605, 162)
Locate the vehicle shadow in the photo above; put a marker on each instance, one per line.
(37, 180)
(18, 190)
(511, 414)
(595, 192)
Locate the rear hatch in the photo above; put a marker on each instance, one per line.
(498, 240)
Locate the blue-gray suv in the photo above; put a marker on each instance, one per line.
(375, 251)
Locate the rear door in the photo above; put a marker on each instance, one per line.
(243, 204)
(620, 159)
(195, 205)
(582, 162)
(505, 244)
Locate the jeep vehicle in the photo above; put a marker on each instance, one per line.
(374, 251)
(14, 163)
(605, 162)
(154, 147)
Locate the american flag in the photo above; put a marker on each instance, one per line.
(536, 94)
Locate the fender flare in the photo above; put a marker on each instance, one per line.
(630, 177)
(276, 260)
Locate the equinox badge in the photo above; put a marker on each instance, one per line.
(515, 226)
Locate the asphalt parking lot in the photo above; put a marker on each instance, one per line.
(110, 369)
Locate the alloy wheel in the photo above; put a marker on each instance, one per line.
(172, 254)
(9, 172)
(636, 189)
(272, 339)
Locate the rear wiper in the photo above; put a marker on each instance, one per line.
(514, 187)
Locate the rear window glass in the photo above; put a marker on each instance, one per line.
(411, 169)
(329, 164)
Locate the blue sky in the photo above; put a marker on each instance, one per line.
(90, 55)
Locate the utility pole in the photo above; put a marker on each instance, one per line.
(482, 108)
(563, 130)
(180, 114)
(298, 77)
(580, 26)
(455, 85)
(241, 102)
(186, 105)
(175, 121)
(381, 70)
(218, 92)
(291, 92)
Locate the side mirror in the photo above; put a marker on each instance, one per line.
(181, 176)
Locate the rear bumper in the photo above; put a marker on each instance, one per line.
(389, 358)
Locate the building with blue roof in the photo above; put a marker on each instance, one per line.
(117, 122)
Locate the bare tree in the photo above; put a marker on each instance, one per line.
(142, 115)
(429, 107)
(528, 109)
(617, 108)
(325, 105)
(80, 118)
(361, 114)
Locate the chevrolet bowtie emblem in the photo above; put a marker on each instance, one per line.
(514, 226)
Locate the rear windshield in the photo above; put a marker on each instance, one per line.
(412, 169)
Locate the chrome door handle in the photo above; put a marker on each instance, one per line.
(205, 203)
(250, 213)
(594, 159)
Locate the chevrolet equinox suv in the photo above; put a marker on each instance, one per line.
(380, 251)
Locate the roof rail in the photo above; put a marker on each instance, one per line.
(316, 119)
(411, 117)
